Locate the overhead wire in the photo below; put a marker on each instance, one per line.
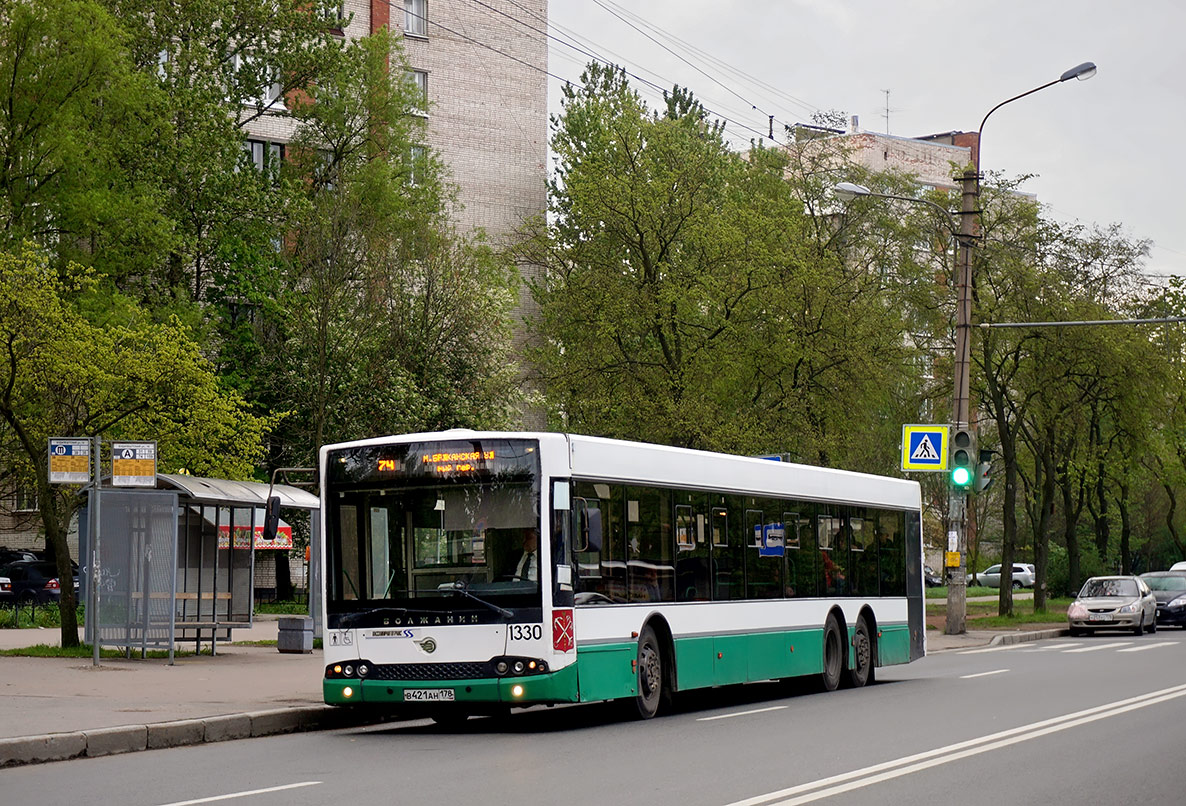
(727, 118)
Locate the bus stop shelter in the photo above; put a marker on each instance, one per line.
(176, 562)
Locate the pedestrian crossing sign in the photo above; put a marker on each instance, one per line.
(924, 447)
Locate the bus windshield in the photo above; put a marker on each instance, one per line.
(410, 537)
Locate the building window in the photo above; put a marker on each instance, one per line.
(416, 17)
(420, 103)
(334, 13)
(416, 168)
(271, 94)
(265, 156)
(24, 499)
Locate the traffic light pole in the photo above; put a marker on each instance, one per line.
(957, 498)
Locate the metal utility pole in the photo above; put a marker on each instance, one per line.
(957, 498)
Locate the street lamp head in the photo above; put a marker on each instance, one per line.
(1082, 72)
(847, 191)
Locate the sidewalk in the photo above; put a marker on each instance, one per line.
(59, 708)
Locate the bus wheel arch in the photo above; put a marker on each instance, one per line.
(863, 651)
(835, 650)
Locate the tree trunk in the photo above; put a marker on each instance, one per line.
(1042, 526)
(55, 518)
(1125, 531)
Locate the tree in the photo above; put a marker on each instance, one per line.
(683, 298)
(77, 119)
(221, 64)
(75, 362)
(389, 320)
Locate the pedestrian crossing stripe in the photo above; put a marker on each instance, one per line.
(924, 447)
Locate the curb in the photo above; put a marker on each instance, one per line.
(131, 738)
(1005, 639)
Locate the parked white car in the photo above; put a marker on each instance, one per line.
(1023, 576)
(1113, 603)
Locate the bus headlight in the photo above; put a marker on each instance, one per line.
(501, 667)
(518, 668)
(516, 691)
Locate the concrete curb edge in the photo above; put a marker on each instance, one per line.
(17, 751)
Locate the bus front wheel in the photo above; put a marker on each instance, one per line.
(833, 655)
(650, 674)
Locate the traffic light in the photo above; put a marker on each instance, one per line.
(984, 470)
(963, 445)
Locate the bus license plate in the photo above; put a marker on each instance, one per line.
(428, 695)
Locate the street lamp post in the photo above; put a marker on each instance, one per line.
(957, 502)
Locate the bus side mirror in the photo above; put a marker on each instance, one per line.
(272, 518)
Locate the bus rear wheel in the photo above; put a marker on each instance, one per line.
(862, 656)
(833, 655)
(650, 674)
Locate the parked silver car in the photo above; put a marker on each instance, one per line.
(1113, 603)
(1023, 576)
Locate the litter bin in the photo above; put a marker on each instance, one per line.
(295, 634)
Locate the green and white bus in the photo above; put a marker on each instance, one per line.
(476, 571)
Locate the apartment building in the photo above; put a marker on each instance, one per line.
(483, 68)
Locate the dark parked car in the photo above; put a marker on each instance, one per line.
(931, 578)
(15, 556)
(1169, 587)
(34, 581)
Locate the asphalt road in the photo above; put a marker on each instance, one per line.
(1062, 721)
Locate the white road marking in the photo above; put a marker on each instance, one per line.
(990, 649)
(1143, 647)
(1097, 647)
(1053, 647)
(856, 779)
(982, 674)
(742, 713)
(245, 794)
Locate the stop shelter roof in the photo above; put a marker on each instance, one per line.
(240, 493)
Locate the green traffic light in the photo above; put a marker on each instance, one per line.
(961, 477)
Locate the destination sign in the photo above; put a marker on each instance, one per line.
(478, 458)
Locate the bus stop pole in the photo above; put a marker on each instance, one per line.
(95, 520)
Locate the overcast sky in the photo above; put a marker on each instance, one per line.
(1106, 150)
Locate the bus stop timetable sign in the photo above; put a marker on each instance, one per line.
(69, 461)
(133, 464)
(924, 447)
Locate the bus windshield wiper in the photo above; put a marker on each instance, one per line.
(350, 619)
(459, 586)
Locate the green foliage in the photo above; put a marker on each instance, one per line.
(124, 377)
(388, 320)
(1058, 579)
(77, 120)
(684, 297)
